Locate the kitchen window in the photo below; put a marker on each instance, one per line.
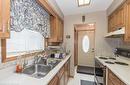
(21, 43)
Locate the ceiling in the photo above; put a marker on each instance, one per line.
(70, 7)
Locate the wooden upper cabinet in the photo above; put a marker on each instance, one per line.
(127, 30)
(121, 18)
(56, 30)
(60, 30)
(117, 19)
(53, 30)
(55, 22)
(109, 24)
(4, 18)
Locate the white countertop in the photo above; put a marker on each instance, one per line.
(121, 71)
(22, 79)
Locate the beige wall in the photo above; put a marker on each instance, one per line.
(114, 5)
(102, 45)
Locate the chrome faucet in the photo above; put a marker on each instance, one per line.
(45, 60)
(36, 59)
(25, 63)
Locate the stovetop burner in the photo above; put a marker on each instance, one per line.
(104, 58)
(109, 62)
(112, 58)
(122, 63)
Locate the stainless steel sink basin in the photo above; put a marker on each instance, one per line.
(40, 70)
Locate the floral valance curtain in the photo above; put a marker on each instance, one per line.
(28, 14)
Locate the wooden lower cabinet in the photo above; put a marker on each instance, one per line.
(113, 79)
(62, 76)
(127, 29)
(54, 81)
(67, 72)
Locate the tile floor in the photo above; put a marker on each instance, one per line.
(78, 77)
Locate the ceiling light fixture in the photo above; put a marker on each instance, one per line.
(83, 2)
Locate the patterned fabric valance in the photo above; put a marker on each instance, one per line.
(27, 14)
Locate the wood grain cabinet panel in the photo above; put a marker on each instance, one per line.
(54, 81)
(4, 18)
(53, 30)
(113, 79)
(67, 68)
(60, 30)
(63, 75)
(56, 30)
(127, 35)
(110, 24)
(117, 19)
(121, 18)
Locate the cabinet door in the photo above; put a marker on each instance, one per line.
(4, 18)
(62, 80)
(53, 30)
(60, 36)
(113, 79)
(66, 73)
(61, 76)
(54, 81)
(122, 16)
(127, 30)
(110, 82)
(68, 69)
(109, 24)
(113, 22)
(115, 16)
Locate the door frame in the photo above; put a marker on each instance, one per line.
(77, 28)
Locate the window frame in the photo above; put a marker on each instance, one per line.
(12, 58)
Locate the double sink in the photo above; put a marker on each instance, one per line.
(40, 70)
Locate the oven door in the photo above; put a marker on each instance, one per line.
(99, 73)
